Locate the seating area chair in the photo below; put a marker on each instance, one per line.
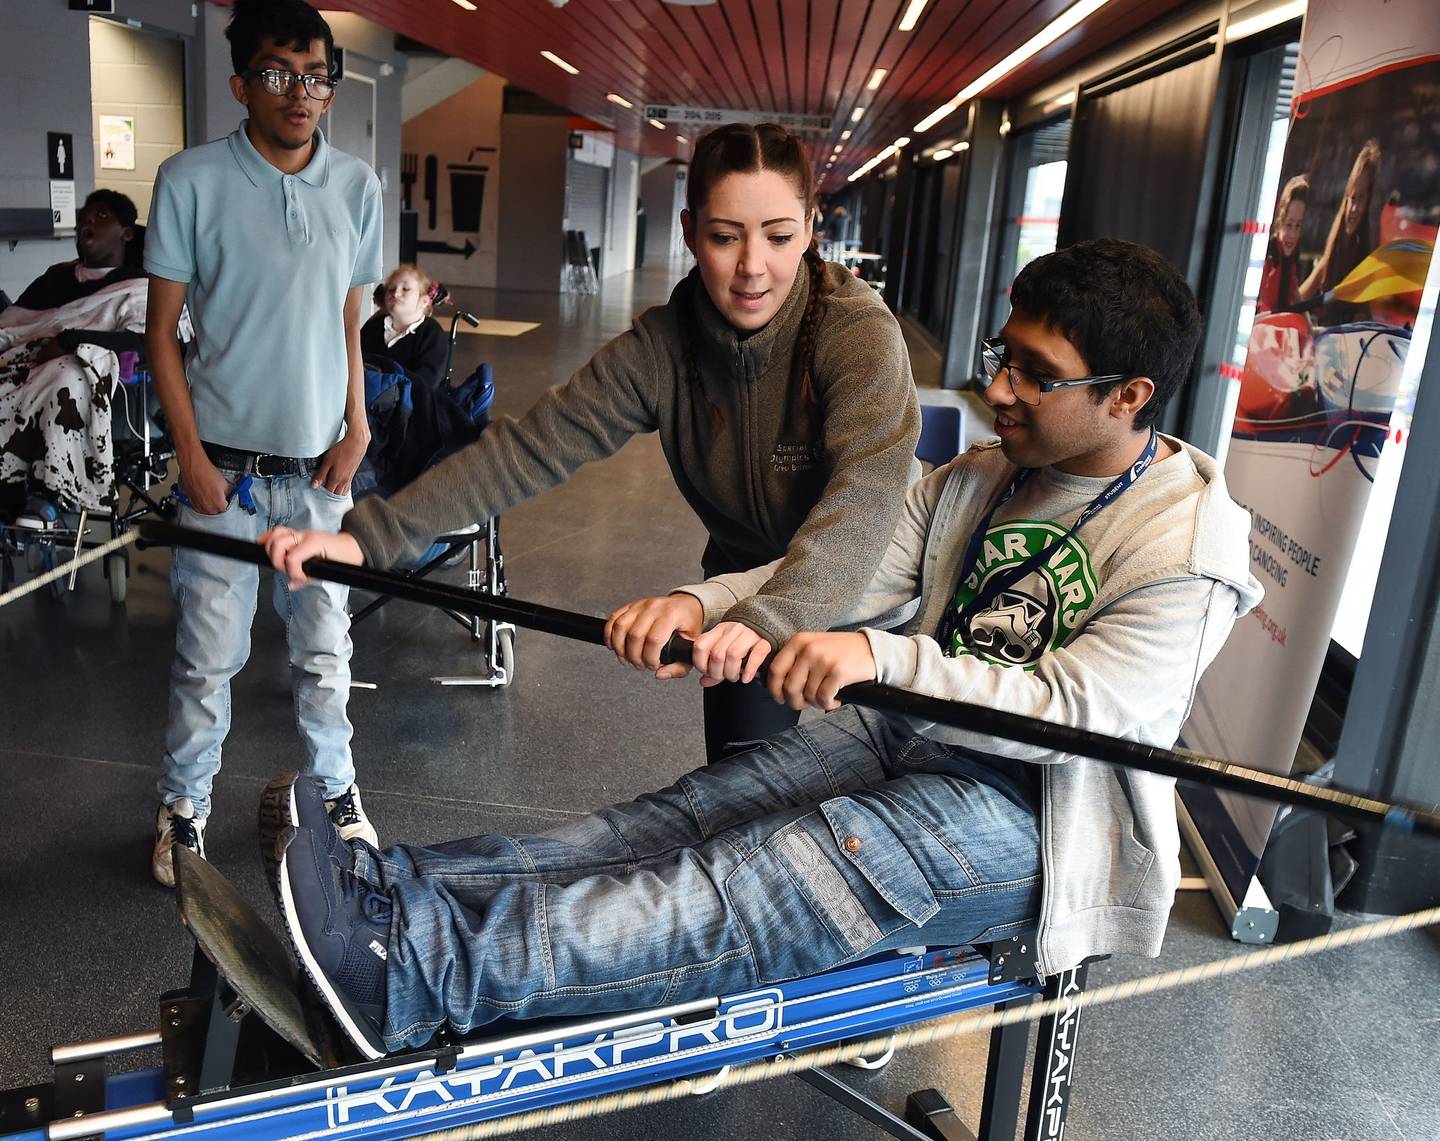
(942, 434)
(579, 273)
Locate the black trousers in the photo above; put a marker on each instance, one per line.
(736, 716)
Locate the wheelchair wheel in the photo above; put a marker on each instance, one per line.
(117, 570)
(505, 651)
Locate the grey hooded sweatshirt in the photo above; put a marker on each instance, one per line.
(813, 481)
(1111, 634)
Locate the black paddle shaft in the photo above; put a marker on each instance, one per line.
(963, 715)
(548, 619)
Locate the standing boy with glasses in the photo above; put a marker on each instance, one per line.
(272, 238)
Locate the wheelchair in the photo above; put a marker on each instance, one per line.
(478, 545)
(142, 455)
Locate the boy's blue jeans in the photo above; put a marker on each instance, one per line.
(216, 599)
(837, 839)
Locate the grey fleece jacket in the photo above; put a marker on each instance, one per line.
(816, 483)
(1111, 635)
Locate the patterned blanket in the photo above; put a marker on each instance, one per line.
(55, 416)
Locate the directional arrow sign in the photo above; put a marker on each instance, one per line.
(441, 248)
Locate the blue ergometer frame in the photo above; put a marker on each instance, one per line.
(227, 1077)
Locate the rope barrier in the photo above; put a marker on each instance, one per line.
(972, 1023)
(69, 567)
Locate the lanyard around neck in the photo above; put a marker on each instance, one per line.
(1003, 580)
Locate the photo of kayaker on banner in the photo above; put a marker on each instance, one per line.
(1351, 240)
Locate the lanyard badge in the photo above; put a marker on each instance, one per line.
(958, 620)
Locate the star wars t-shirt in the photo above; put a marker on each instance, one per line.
(1041, 612)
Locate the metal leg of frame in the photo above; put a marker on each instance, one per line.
(857, 1102)
(1054, 1073)
(1005, 1078)
(932, 1114)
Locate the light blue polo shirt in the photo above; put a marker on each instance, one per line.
(268, 258)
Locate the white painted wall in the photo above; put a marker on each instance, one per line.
(139, 75)
(663, 190)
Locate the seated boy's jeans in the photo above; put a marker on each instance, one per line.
(216, 599)
(835, 840)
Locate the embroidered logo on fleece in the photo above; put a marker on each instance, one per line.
(1041, 611)
(795, 458)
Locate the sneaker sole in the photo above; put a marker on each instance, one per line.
(275, 824)
(283, 819)
(163, 870)
(275, 817)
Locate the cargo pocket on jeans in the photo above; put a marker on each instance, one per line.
(904, 895)
(874, 849)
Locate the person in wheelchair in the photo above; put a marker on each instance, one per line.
(60, 356)
(404, 333)
(780, 388)
(863, 832)
(416, 417)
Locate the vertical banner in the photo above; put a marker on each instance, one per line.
(1324, 387)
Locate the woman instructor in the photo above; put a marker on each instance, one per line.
(781, 390)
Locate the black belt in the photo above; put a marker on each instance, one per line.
(260, 464)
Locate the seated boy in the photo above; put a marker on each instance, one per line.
(1084, 570)
(59, 346)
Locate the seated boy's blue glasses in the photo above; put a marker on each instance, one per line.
(1028, 386)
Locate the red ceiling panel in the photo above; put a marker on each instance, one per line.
(802, 56)
(766, 14)
(751, 51)
(819, 45)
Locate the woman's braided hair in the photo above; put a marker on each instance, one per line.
(740, 148)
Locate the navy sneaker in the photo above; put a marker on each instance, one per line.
(295, 801)
(340, 928)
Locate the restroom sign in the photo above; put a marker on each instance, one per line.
(60, 154)
(60, 159)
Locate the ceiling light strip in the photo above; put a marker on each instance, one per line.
(1250, 25)
(912, 16)
(873, 163)
(893, 148)
(1042, 39)
(620, 99)
(560, 63)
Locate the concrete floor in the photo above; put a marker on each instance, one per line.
(1340, 1046)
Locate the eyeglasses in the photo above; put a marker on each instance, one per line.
(1027, 387)
(277, 81)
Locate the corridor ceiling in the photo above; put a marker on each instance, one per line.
(811, 57)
